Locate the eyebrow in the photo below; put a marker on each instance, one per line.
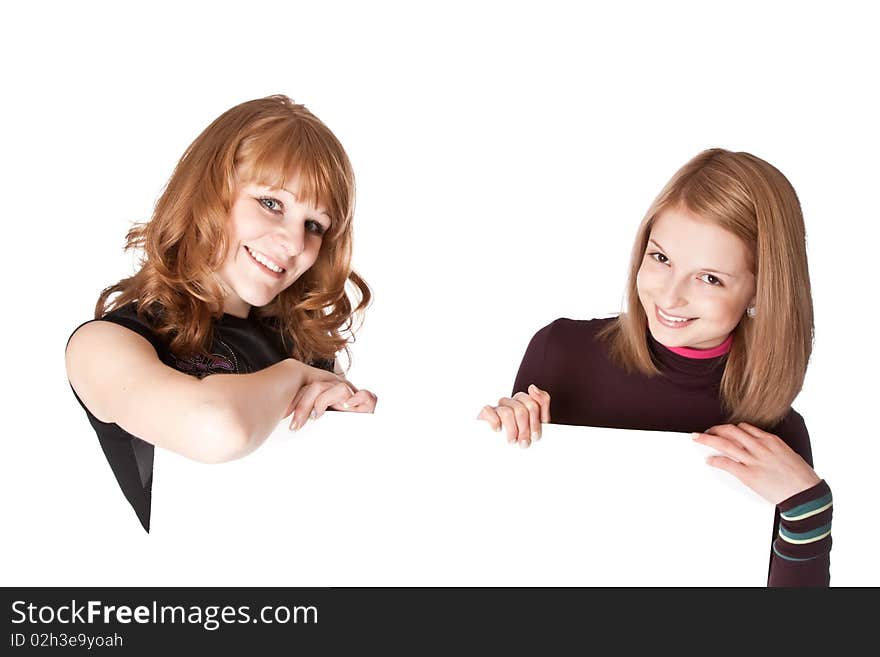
(714, 271)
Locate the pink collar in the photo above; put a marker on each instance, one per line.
(714, 352)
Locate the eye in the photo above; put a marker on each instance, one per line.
(315, 227)
(711, 280)
(662, 259)
(271, 204)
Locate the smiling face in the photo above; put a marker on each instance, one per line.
(695, 281)
(273, 240)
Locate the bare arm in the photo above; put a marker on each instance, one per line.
(119, 377)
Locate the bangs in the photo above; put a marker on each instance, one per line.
(284, 149)
(713, 194)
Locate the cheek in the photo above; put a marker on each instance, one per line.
(309, 256)
(737, 310)
(246, 224)
(722, 308)
(646, 280)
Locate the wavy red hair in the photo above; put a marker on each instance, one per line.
(262, 141)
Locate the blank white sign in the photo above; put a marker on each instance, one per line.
(368, 500)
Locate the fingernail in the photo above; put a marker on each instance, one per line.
(344, 404)
(524, 443)
(536, 436)
(313, 414)
(511, 440)
(496, 429)
(695, 435)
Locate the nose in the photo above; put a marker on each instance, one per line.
(672, 293)
(291, 237)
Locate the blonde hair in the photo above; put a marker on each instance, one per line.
(768, 359)
(185, 241)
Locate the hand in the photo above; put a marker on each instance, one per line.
(520, 416)
(323, 390)
(760, 460)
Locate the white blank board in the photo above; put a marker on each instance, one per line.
(367, 500)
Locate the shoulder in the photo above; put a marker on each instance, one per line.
(579, 333)
(104, 341)
(560, 352)
(129, 317)
(102, 357)
(580, 328)
(565, 341)
(126, 317)
(118, 372)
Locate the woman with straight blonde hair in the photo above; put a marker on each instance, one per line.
(715, 341)
(239, 308)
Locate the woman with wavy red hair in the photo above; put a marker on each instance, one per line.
(715, 341)
(239, 308)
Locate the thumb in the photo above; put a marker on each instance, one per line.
(543, 399)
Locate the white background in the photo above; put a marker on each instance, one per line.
(504, 155)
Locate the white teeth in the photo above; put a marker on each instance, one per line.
(259, 257)
(672, 319)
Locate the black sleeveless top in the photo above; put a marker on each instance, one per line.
(240, 346)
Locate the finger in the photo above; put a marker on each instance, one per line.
(724, 445)
(302, 405)
(362, 401)
(357, 408)
(305, 408)
(488, 414)
(730, 466)
(337, 394)
(534, 411)
(291, 407)
(368, 405)
(746, 440)
(755, 431)
(759, 434)
(508, 422)
(762, 442)
(543, 399)
(341, 379)
(524, 430)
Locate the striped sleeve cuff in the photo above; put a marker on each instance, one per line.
(805, 524)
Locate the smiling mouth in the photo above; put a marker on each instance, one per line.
(671, 320)
(264, 261)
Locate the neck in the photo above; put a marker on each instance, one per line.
(712, 352)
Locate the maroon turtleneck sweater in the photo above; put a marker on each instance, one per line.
(587, 388)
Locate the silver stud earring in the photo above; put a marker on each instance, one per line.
(751, 311)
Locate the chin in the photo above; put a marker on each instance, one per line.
(667, 337)
(257, 300)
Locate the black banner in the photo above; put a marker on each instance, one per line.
(339, 620)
